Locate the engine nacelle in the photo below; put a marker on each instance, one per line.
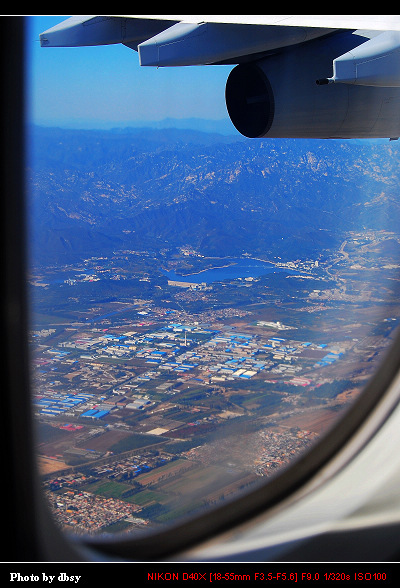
(278, 96)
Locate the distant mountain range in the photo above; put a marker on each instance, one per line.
(222, 126)
(93, 191)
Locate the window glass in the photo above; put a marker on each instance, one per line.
(204, 306)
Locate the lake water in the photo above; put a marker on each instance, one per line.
(233, 268)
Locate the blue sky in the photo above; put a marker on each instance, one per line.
(104, 86)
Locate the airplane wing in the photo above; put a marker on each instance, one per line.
(310, 50)
(196, 40)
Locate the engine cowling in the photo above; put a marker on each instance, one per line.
(278, 96)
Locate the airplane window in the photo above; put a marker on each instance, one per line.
(205, 306)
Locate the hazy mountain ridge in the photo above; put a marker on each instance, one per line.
(145, 188)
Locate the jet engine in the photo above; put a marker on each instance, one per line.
(286, 95)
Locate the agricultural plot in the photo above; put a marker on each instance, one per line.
(148, 497)
(167, 471)
(200, 481)
(135, 441)
(109, 489)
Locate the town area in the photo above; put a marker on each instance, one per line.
(152, 409)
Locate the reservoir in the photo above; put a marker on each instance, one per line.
(230, 269)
